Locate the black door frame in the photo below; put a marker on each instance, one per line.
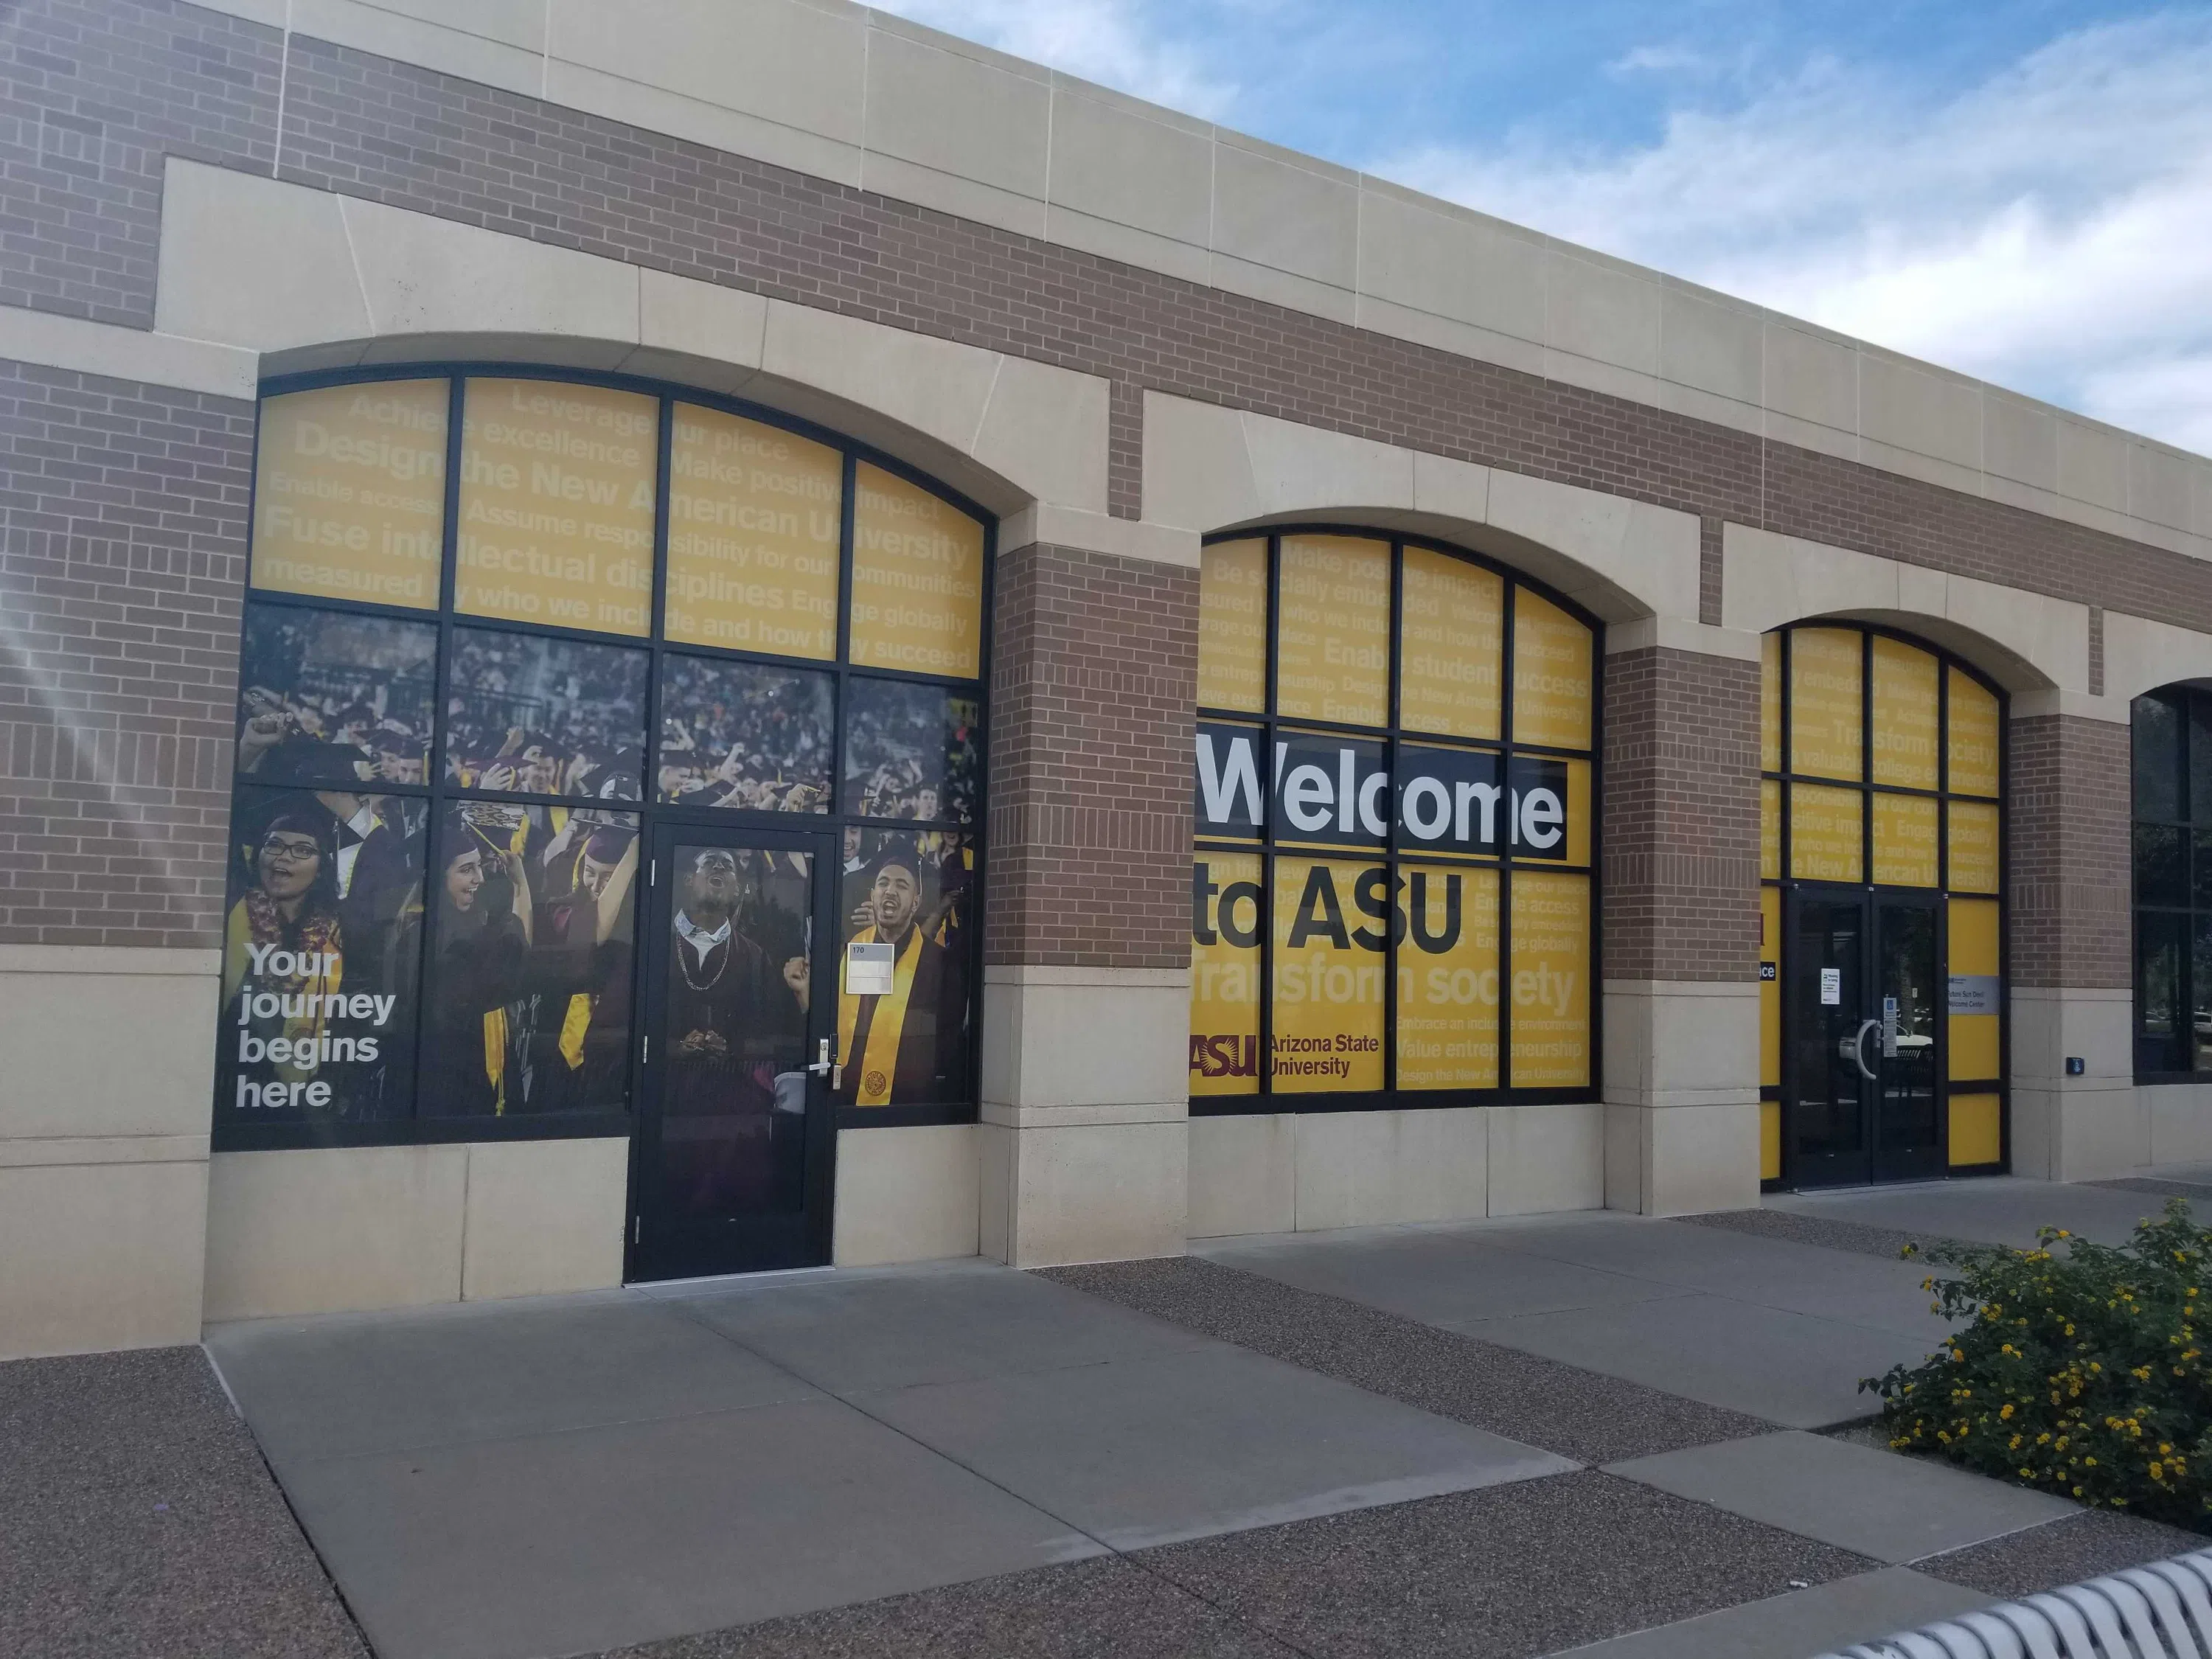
(663, 1249)
(1875, 1164)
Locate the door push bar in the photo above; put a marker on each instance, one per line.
(825, 1062)
(1853, 1047)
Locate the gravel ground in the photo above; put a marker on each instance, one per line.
(1107, 1608)
(136, 1517)
(1504, 1572)
(2084, 1546)
(1829, 1234)
(1539, 1402)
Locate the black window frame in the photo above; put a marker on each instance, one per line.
(231, 1132)
(2190, 703)
(1392, 853)
(1866, 787)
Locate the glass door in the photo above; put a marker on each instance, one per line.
(736, 1128)
(1832, 1040)
(1908, 1141)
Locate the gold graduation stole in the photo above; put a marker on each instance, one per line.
(495, 1035)
(879, 1065)
(573, 1024)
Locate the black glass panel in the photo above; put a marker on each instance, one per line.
(1828, 1009)
(328, 697)
(528, 1004)
(2161, 869)
(320, 943)
(2161, 1023)
(2158, 756)
(2200, 758)
(539, 716)
(913, 891)
(1906, 984)
(2200, 995)
(912, 751)
(745, 736)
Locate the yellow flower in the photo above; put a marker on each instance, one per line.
(2007, 1413)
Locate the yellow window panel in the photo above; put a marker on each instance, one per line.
(1906, 734)
(1451, 638)
(1826, 833)
(1232, 626)
(1976, 1130)
(1827, 714)
(1905, 840)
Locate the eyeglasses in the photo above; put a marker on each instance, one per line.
(291, 848)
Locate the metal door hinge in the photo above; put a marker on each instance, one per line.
(645, 1054)
(637, 1229)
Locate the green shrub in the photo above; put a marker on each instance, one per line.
(2084, 1373)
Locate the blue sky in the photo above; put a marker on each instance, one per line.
(2021, 189)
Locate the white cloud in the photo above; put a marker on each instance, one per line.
(2050, 228)
(1116, 43)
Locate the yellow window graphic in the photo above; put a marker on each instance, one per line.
(1976, 1024)
(917, 579)
(1770, 830)
(1905, 839)
(1551, 674)
(1973, 737)
(1770, 702)
(1905, 737)
(1232, 626)
(1826, 711)
(556, 505)
(1450, 636)
(1977, 1131)
(754, 514)
(1448, 978)
(1228, 909)
(1827, 839)
(350, 493)
(1331, 923)
(1974, 861)
(1550, 981)
(1333, 661)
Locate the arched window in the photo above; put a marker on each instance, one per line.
(1882, 914)
(2172, 812)
(1395, 797)
(522, 649)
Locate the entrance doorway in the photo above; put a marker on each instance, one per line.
(1863, 1100)
(737, 1122)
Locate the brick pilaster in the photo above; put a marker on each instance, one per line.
(2068, 829)
(1094, 683)
(1681, 819)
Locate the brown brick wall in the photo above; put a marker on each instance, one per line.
(122, 561)
(1679, 895)
(1094, 686)
(2069, 848)
(415, 139)
(93, 94)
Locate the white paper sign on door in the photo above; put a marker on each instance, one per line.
(1832, 988)
(867, 969)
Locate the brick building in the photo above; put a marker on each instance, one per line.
(665, 639)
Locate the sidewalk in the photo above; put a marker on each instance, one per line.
(1510, 1438)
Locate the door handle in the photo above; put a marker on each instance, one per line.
(823, 1064)
(1858, 1049)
